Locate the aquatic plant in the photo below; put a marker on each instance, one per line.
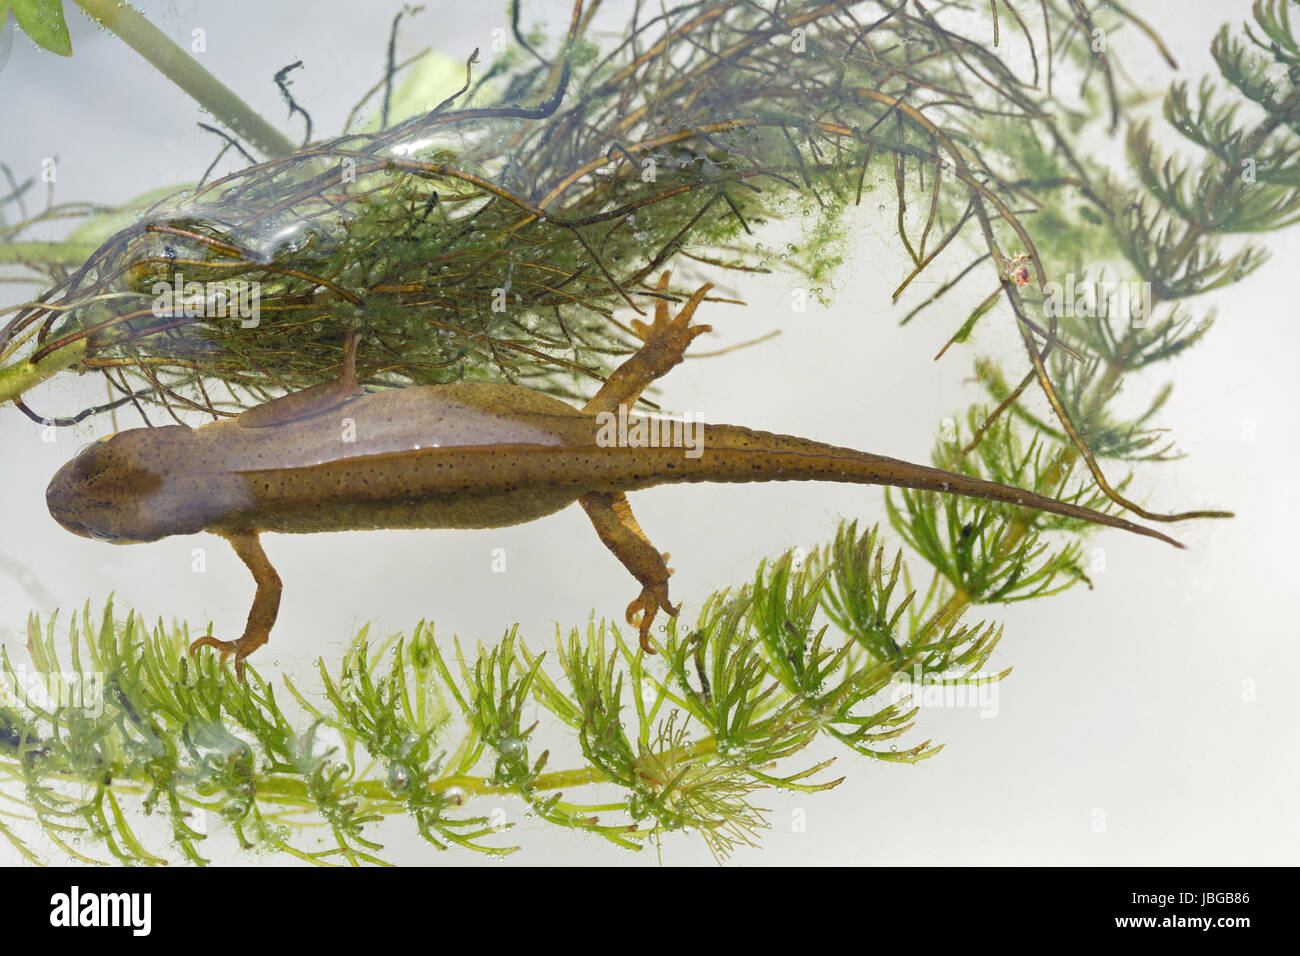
(497, 236)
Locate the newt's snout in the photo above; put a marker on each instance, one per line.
(116, 489)
(77, 500)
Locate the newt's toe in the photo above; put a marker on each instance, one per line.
(668, 336)
(641, 612)
(225, 647)
(240, 648)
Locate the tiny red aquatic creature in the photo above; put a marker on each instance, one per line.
(1018, 271)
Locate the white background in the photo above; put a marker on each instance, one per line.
(1126, 699)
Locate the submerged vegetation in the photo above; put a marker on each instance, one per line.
(410, 727)
(497, 236)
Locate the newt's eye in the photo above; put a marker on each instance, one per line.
(99, 535)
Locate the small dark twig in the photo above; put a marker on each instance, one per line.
(281, 80)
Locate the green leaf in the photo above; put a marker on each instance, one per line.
(42, 20)
(100, 227)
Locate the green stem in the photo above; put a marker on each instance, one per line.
(182, 69)
(16, 379)
(48, 253)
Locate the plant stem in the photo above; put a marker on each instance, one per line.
(16, 379)
(47, 253)
(182, 69)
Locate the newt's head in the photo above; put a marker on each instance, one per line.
(122, 489)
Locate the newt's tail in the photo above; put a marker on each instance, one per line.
(734, 453)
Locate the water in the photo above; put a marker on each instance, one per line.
(1079, 730)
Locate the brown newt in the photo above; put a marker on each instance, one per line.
(471, 455)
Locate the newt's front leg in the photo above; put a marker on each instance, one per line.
(665, 346)
(292, 407)
(266, 603)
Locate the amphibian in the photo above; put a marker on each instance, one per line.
(470, 455)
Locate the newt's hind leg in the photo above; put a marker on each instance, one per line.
(665, 344)
(612, 517)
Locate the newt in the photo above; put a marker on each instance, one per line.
(334, 457)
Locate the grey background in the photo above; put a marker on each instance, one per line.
(1127, 698)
